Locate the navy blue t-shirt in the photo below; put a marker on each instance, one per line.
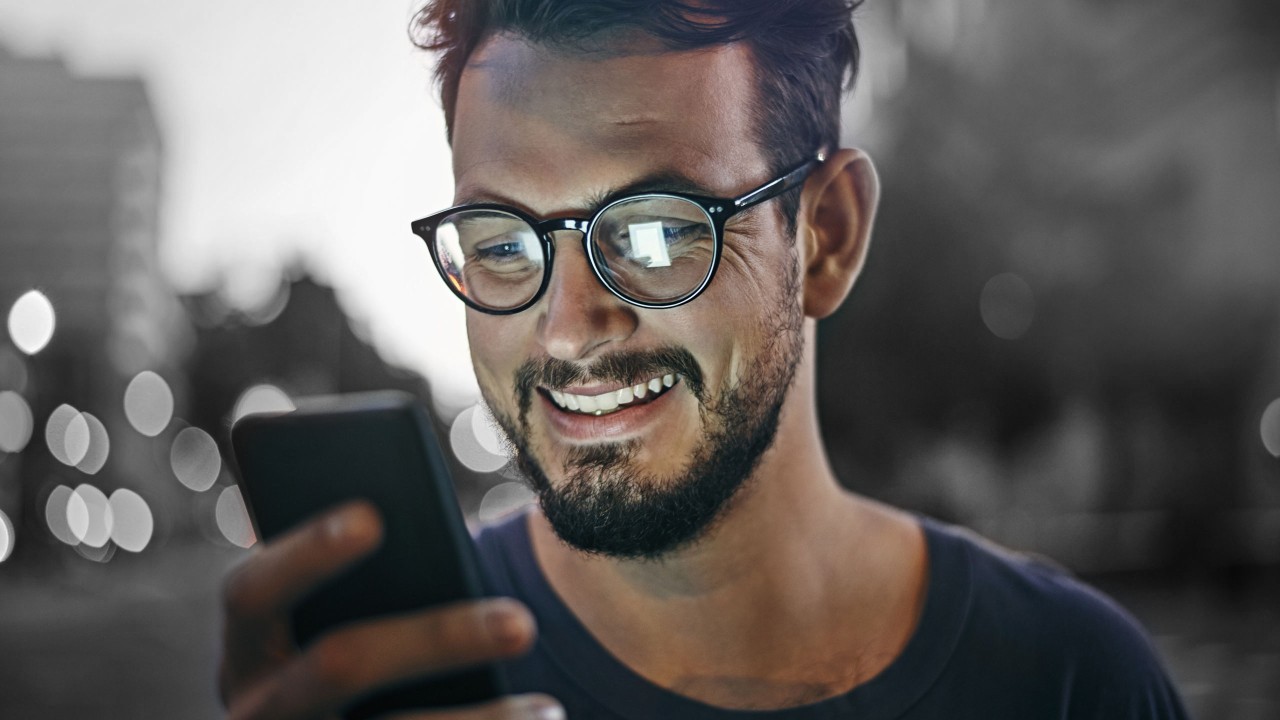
(1001, 636)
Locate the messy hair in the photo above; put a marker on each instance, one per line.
(806, 53)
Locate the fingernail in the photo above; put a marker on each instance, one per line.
(506, 626)
(544, 708)
(338, 526)
(550, 712)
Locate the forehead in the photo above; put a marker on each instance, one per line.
(550, 127)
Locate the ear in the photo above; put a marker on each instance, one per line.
(837, 210)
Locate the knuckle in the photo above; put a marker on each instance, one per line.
(458, 631)
(335, 663)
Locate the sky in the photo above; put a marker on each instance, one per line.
(294, 130)
(289, 133)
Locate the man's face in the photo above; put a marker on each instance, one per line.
(553, 133)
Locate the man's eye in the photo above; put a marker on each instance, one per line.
(675, 234)
(500, 250)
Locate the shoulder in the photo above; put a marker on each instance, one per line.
(504, 554)
(1031, 619)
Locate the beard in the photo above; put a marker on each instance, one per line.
(606, 504)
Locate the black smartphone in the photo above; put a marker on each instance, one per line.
(379, 447)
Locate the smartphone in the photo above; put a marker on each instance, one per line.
(379, 447)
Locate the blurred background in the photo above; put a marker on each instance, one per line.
(1067, 335)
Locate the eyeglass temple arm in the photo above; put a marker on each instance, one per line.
(782, 184)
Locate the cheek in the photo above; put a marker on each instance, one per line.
(494, 355)
(736, 321)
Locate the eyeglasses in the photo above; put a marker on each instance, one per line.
(653, 250)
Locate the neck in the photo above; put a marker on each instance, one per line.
(795, 571)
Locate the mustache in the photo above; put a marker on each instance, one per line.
(615, 367)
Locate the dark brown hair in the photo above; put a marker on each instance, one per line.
(806, 52)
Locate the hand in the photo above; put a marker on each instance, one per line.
(263, 676)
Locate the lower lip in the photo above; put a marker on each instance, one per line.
(614, 426)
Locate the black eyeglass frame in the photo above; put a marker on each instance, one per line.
(718, 209)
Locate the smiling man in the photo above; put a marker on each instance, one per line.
(651, 215)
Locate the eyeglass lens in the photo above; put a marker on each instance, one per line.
(652, 249)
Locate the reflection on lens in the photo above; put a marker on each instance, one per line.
(492, 258)
(654, 249)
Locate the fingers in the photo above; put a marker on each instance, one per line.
(351, 661)
(272, 580)
(522, 707)
(259, 592)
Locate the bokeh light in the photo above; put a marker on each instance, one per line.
(233, 518)
(98, 446)
(1271, 428)
(92, 520)
(195, 459)
(1007, 306)
(148, 403)
(58, 511)
(504, 498)
(133, 523)
(16, 423)
(468, 448)
(7, 537)
(261, 399)
(96, 554)
(488, 434)
(75, 440)
(31, 322)
(55, 431)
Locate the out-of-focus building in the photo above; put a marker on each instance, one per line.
(299, 342)
(1066, 332)
(80, 191)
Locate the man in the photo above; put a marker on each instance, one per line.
(651, 215)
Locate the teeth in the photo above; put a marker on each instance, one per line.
(608, 402)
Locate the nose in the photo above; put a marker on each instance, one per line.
(579, 317)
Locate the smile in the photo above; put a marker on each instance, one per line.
(614, 400)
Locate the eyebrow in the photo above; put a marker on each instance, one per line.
(660, 181)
